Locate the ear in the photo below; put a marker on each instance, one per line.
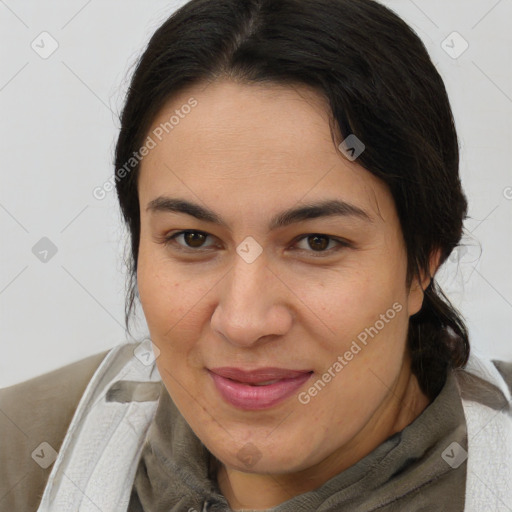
(416, 292)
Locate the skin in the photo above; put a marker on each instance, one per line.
(248, 152)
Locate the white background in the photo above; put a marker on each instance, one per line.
(59, 125)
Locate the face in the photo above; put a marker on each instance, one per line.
(239, 271)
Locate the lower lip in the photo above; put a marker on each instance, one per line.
(245, 396)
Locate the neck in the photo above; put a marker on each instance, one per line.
(403, 404)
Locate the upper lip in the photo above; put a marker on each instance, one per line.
(257, 375)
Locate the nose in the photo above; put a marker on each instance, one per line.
(252, 305)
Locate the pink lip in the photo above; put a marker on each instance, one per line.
(235, 387)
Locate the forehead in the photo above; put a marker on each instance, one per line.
(260, 141)
(259, 119)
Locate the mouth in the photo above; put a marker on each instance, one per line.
(257, 389)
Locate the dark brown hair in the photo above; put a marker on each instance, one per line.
(381, 86)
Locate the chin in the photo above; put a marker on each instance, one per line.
(252, 457)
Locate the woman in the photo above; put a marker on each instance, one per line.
(288, 171)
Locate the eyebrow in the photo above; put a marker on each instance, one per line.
(312, 210)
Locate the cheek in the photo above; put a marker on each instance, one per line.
(157, 291)
(175, 302)
(164, 296)
(352, 299)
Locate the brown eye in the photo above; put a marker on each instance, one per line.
(194, 238)
(319, 245)
(318, 242)
(188, 240)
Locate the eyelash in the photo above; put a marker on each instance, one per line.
(342, 244)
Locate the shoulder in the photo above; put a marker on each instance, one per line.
(486, 392)
(505, 369)
(34, 417)
(486, 381)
